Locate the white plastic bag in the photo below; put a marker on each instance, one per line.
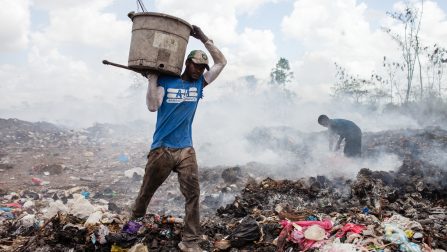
(80, 207)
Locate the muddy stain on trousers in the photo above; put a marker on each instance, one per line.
(161, 162)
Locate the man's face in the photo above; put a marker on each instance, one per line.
(325, 122)
(193, 70)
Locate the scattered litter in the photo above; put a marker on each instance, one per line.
(39, 182)
(85, 207)
(131, 173)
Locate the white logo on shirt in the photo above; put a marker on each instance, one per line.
(178, 95)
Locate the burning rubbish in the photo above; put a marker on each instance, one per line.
(98, 189)
(400, 210)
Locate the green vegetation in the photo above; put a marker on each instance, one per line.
(281, 73)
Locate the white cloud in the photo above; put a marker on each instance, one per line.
(255, 54)
(62, 77)
(14, 24)
(314, 76)
(50, 5)
(433, 24)
(218, 19)
(63, 63)
(337, 30)
(59, 58)
(60, 88)
(83, 23)
(340, 31)
(250, 52)
(52, 76)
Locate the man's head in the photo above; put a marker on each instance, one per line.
(196, 63)
(323, 120)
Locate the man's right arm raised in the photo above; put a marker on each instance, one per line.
(155, 93)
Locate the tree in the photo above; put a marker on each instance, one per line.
(409, 43)
(281, 74)
(389, 81)
(437, 57)
(348, 86)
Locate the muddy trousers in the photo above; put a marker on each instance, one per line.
(161, 162)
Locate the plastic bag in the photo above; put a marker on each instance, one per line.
(80, 207)
(315, 233)
(54, 208)
(397, 236)
(248, 231)
(131, 227)
(93, 219)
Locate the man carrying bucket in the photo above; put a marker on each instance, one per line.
(176, 99)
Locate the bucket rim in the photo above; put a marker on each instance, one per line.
(159, 15)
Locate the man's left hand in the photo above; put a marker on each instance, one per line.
(337, 147)
(198, 34)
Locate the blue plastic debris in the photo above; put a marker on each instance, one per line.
(123, 158)
(166, 233)
(365, 210)
(312, 218)
(86, 194)
(8, 215)
(93, 238)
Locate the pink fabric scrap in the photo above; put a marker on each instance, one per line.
(37, 181)
(350, 227)
(326, 224)
(13, 205)
(297, 236)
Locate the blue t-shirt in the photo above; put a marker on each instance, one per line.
(344, 128)
(176, 113)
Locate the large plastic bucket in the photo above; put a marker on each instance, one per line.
(158, 42)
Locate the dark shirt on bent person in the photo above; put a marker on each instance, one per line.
(344, 128)
(350, 132)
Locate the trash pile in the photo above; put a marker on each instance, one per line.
(409, 143)
(78, 225)
(72, 190)
(311, 214)
(77, 219)
(370, 213)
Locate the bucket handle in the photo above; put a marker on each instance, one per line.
(131, 14)
(106, 62)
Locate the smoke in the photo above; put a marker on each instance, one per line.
(241, 122)
(250, 121)
(437, 157)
